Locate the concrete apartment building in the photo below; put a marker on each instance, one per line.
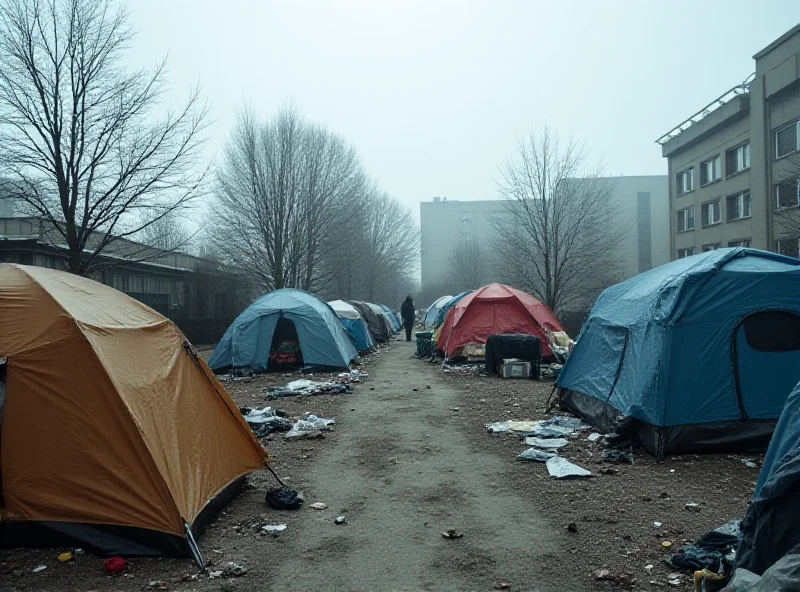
(642, 213)
(733, 167)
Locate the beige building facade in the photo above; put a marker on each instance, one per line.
(733, 166)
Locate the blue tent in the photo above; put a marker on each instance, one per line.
(701, 352)
(323, 341)
(432, 311)
(771, 527)
(359, 333)
(443, 311)
(396, 324)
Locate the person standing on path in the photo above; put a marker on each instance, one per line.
(407, 312)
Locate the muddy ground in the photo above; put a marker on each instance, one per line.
(410, 459)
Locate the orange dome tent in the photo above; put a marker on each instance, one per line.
(116, 436)
(494, 309)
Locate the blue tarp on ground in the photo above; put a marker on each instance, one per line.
(771, 527)
(359, 333)
(322, 339)
(692, 342)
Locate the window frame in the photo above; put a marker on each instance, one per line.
(718, 201)
(778, 246)
(733, 244)
(728, 160)
(796, 125)
(685, 254)
(686, 219)
(680, 175)
(718, 158)
(739, 194)
(714, 247)
(776, 194)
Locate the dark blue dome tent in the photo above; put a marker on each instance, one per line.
(700, 353)
(323, 342)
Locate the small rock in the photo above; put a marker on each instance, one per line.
(454, 409)
(502, 586)
(609, 471)
(340, 520)
(649, 567)
(415, 390)
(646, 498)
(39, 568)
(233, 570)
(190, 577)
(157, 585)
(674, 579)
(602, 574)
(656, 524)
(427, 386)
(692, 507)
(664, 495)
(64, 557)
(274, 527)
(572, 527)
(452, 533)
(215, 573)
(666, 545)
(317, 506)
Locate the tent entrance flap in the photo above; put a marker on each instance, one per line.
(285, 351)
(766, 362)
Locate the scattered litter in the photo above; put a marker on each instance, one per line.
(649, 567)
(340, 520)
(602, 574)
(233, 570)
(572, 527)
(217, 573)
(667, 545)
(465, 369)
(158, 585)
(594, 437)
(609, 471)
(537, 455)
(525, 426)
(64, 557)
(561, 468)
(451, 533)
(307, 387)
(318, 506)
(656, 524)
(502, 586)
(546, 442)
(674, 579)
(274, 527)
(748, 462)
(115, 565)
(618, 454)
(353, 376)
(456, 409)
(692, 507)
(283, 498)
(309, 426)
(77, 551)
(265, 421)
(39, 568)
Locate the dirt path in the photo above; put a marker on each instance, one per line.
(402, 472)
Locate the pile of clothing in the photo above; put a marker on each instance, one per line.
(286, 354)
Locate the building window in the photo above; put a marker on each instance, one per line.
(739, 159)
(787, 194)
(710, 170)
(786, 139)
(739, 206)
(686, 219)
(684, 181)
(683, 253)
(744, 243)
(789, 247)
(711, 247)
(711, 213)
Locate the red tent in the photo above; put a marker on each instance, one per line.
(496, 308)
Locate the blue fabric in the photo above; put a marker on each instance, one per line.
(393, 320)
(785, 443)
(680, 320)
(322, 338)
(448, 306)
(359, 333)
(432, 312)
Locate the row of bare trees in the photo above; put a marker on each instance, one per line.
(295, 206)
(87, 146)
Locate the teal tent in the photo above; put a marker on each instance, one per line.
(323, 341)
(699, 354)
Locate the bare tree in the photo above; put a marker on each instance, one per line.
(284, 189)
(80, 139)
(391, 242)
(468, 265)
(169, 233)
(558, 234)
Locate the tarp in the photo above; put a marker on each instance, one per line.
(380, 311)
(376, 324)
(690, 350)
(447, 306)
(354, 324)
(344, 310)
(492, 309)
(396, 324)
(433, 310)
(115, 434)
(323, 341)
(771, 527)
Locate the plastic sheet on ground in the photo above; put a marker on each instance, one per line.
(524, 426)
(536, 455)
(354, 375)
(310, 426)
(265, 421)
(561, 468)
(308, 387)
(547, 443)
(558, 426)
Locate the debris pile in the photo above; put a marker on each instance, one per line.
(306, 388)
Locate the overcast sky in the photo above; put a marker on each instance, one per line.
(433, 93)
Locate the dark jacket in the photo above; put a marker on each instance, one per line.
(407, 311)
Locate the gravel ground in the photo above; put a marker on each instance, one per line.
(406, 462)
